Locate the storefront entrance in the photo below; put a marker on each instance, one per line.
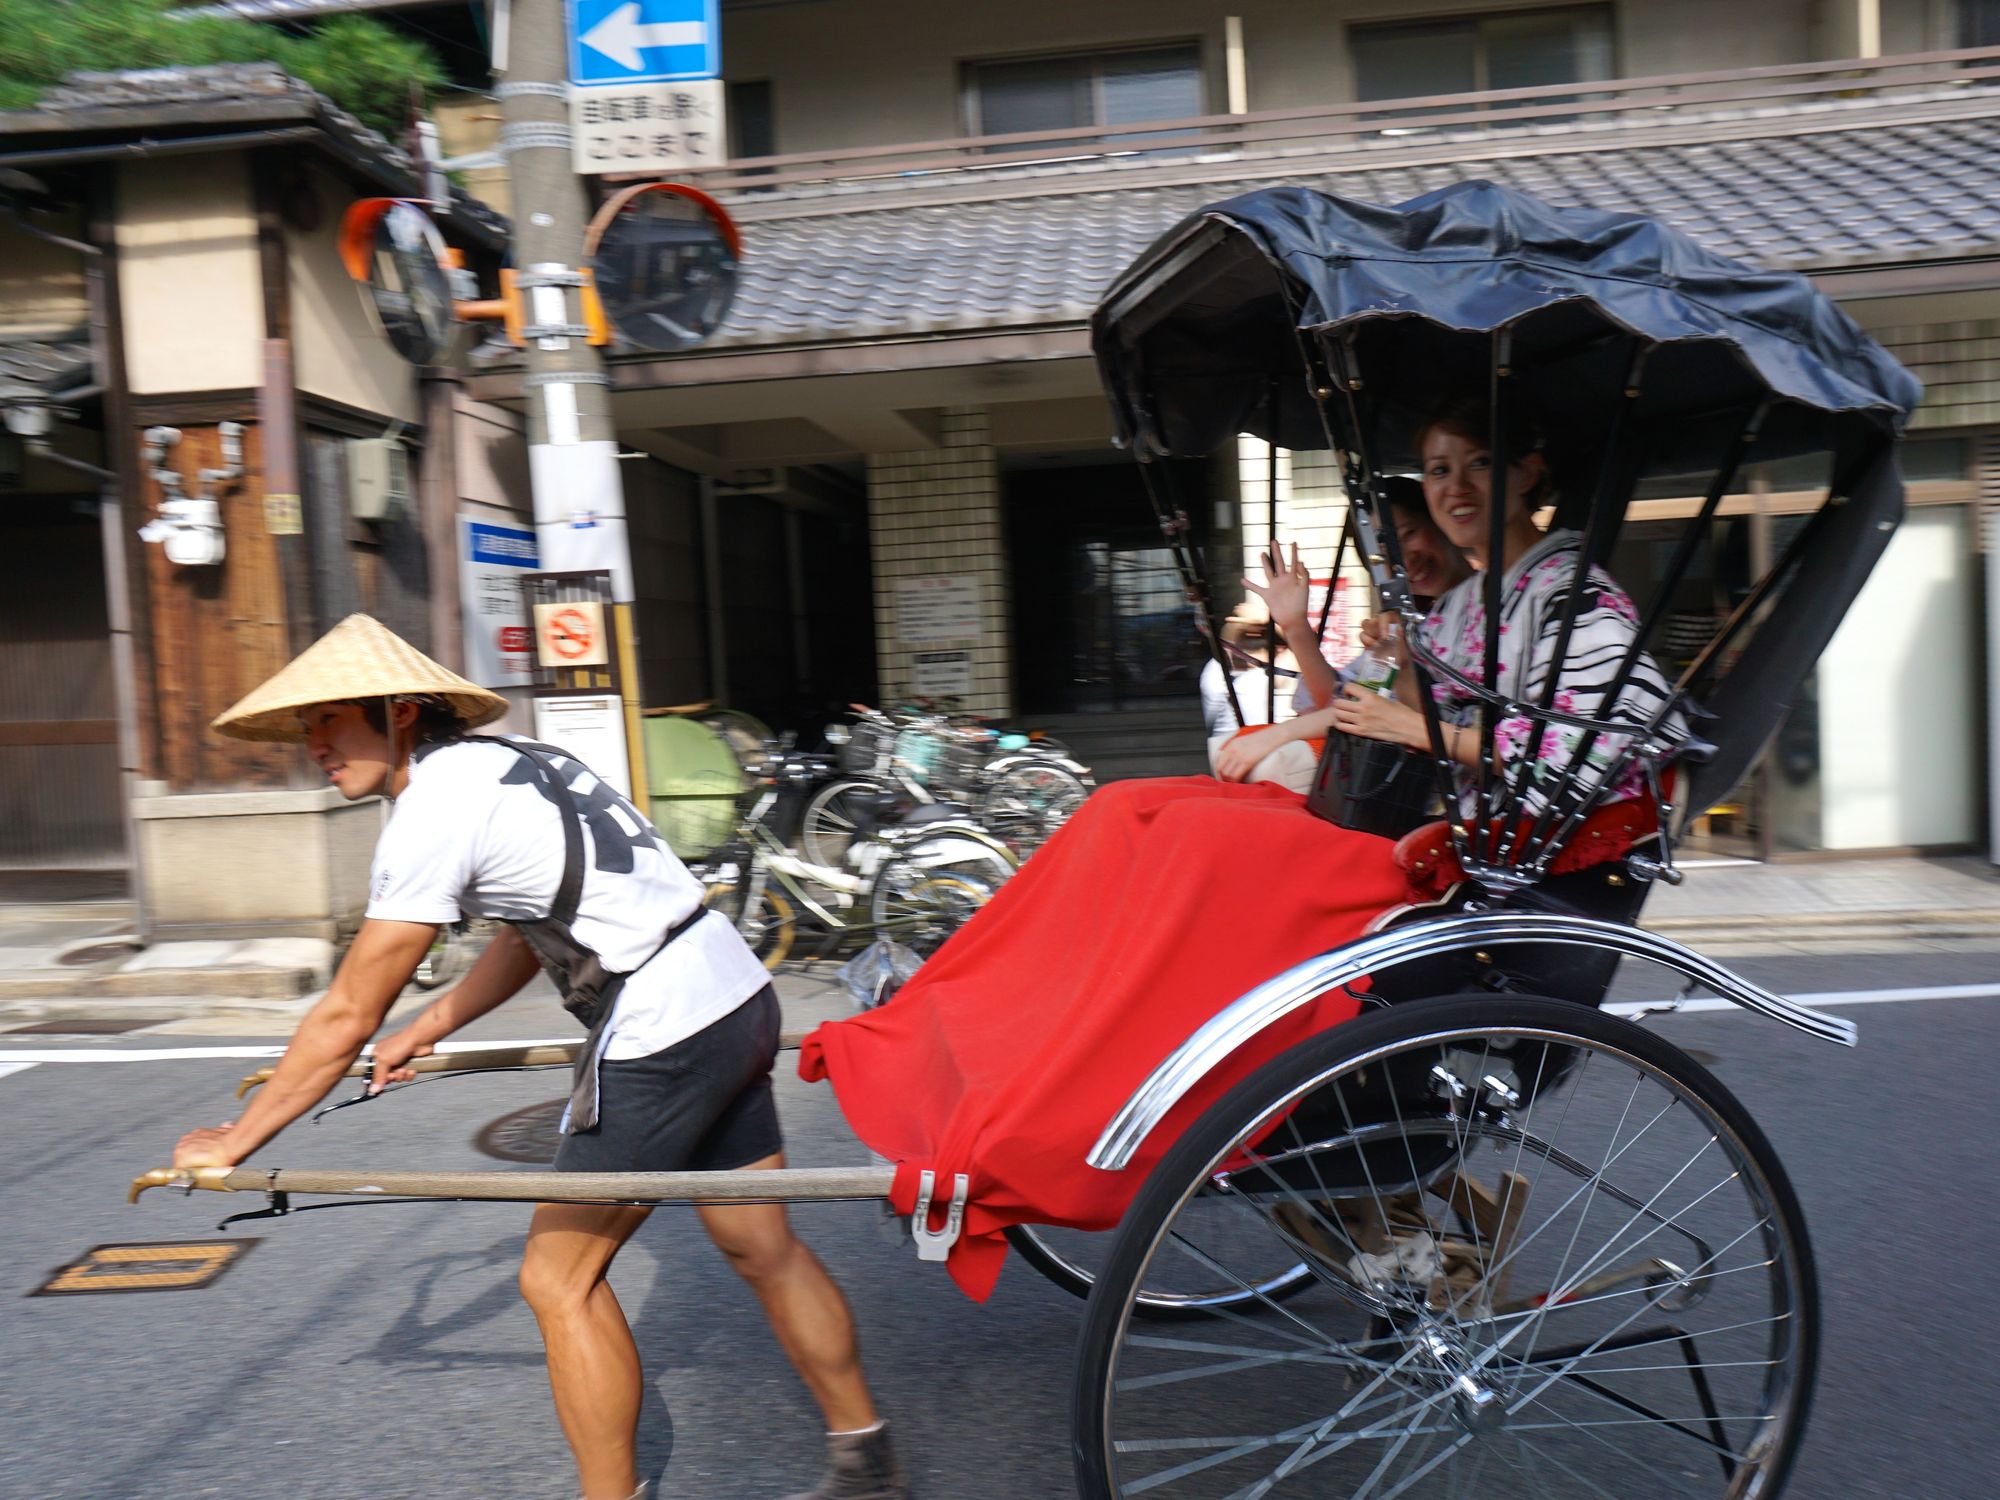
(1100, 619)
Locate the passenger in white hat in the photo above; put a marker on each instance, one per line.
(683, 1023)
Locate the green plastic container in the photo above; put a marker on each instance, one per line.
(694, 780)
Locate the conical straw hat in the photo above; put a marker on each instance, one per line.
(359, 658)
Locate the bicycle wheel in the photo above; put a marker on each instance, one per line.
(770, 925)
(826, 827)
(927, 889)
(768, 921)
(1028, 802)
(923, 914)
(1553, 1257)
(1074, 1258)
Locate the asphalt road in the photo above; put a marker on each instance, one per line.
(381, 1351)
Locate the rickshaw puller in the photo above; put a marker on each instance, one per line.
(683, 1022)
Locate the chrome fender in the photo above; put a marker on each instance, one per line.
(1231, 1027)
(1003, 763)
(953, 842)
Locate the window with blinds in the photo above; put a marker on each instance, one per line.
(1470, 54)
(1125, 87)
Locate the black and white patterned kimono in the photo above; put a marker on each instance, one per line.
(1535, 596)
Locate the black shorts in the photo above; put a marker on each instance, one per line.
(701, 1105)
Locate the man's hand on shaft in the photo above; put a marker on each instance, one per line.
(207, 1148)
(390, 1055)
(379, 963)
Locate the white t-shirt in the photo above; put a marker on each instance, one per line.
(477, 833)
(1253, 692)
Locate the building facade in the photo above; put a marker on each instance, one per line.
(902, 400)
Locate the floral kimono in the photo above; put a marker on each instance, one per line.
(1534, 599)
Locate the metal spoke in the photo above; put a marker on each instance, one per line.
(1203, 1258)
(1638, 1082)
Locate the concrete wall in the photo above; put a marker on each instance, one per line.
(188, 275)
(467, 124)
(900, 62)
(338, 349)
(41, 285)
(935, 512)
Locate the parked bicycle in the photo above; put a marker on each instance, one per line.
(911, 874)
(1020, 788)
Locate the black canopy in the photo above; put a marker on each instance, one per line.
(1193, 339)
(1309, 320)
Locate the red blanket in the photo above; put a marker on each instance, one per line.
(1159, 903)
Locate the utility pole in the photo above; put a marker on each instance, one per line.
(572, 444)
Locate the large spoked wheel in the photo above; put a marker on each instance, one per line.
(827, 826)
(1028, 802)
(1553, 1258)
(1074, 1258)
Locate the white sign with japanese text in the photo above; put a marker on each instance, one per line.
(592, 728)
(941, 674)
(492, 560)
(932, 610)
(648, 127)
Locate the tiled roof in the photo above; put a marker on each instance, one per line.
(44, 369)
(95, 101)
(1871, 190)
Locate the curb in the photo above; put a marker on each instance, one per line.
(238, 983)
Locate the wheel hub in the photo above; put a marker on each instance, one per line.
(1476, 1405)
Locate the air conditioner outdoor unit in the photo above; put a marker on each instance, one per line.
(378, 478)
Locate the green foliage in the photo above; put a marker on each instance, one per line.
(361, 64)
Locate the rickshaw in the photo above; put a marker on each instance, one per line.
(1487, 1238)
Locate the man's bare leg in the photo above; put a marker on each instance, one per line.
(805, 1308)
(594, 1369)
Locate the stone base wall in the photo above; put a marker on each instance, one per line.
(255, 864)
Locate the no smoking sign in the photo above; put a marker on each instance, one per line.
(570, 635)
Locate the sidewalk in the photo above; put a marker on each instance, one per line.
(1838, 906)
(75, 958)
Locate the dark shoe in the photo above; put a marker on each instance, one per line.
(860, 1466)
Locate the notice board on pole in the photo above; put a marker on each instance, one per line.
(492, 560)
(591, 728)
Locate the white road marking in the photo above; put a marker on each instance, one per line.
(25, 1056)
(1825, 998)
(14, 1067)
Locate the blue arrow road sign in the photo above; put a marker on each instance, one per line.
(643, 41)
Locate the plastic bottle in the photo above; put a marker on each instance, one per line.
(1375, 669)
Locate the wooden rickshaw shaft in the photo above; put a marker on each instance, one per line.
(782, 1185)
(482, 1059)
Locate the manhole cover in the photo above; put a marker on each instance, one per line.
(85, 1026)
(179, 1266)
(527, 1135)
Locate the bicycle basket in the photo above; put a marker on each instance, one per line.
(861, 755)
